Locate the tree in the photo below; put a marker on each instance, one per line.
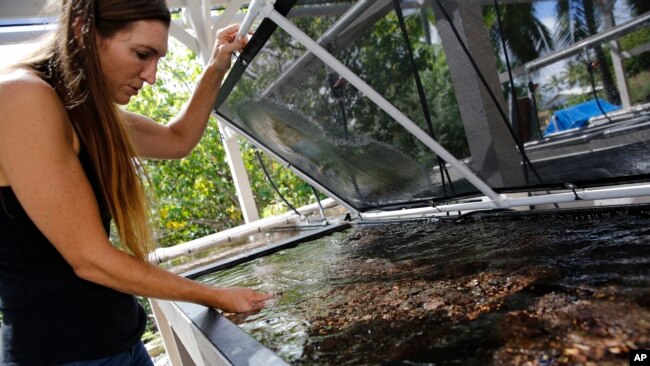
(639, 7)
(526, 37)
(194, 196)
(579, 19)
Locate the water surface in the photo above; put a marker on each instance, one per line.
(538, 289)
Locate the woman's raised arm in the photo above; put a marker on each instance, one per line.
(177, 138)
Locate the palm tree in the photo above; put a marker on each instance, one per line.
(639, 7)
(526, 37)
(555, 84)
(578, 19)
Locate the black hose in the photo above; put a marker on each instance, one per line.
(590, 69)
(531, 89)
(275, 188)
(442, 166)
(513, 93)
(320, 206)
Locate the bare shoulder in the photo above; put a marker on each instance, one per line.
(20, 84)
(31, 113)
(25, 99)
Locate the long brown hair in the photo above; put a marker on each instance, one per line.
(71, 63)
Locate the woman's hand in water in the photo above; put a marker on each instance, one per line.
(240, 300)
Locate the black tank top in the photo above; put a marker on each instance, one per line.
(51, 316)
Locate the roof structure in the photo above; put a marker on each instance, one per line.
(345, 169)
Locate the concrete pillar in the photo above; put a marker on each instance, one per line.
(617, 59)
(494, 153)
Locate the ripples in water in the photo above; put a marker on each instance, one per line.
(542, 289)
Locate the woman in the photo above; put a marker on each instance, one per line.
(67, 168)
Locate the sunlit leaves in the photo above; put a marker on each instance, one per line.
(195, 196)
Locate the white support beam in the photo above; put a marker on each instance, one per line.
(239, 174)
(589, 42)
(175, 4)
(636, 51)
(12, 9)
(641, 191)
(201, 21)
(210, 36)
(177, 31)
(229, 15)
(201, 24)
(24, 34)
(494, 152)
(617, 59)
(230, 143)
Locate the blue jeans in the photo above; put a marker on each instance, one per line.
(136, 356)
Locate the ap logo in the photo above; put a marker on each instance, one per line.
(639, 357)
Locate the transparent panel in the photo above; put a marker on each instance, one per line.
(301, 110)
(583, 112)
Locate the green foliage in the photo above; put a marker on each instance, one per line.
(194, 196)
(640, 87)
(294, 189)
(447, 121)
(526, 37)
(637, 64)
(385, 49)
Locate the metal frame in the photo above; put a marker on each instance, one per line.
(582, 195)
(196, 335)
(265, 9)
(606, 36)
(293, 169)
(198, 17)
(494, 200)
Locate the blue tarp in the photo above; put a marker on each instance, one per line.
(577, 115)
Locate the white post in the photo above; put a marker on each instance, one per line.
(493, 150)
(617, 61)
(239, 174)
(201, 21)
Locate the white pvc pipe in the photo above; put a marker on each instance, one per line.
(164, 254)
(584, 195)
(253, 12)
(267, 10)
